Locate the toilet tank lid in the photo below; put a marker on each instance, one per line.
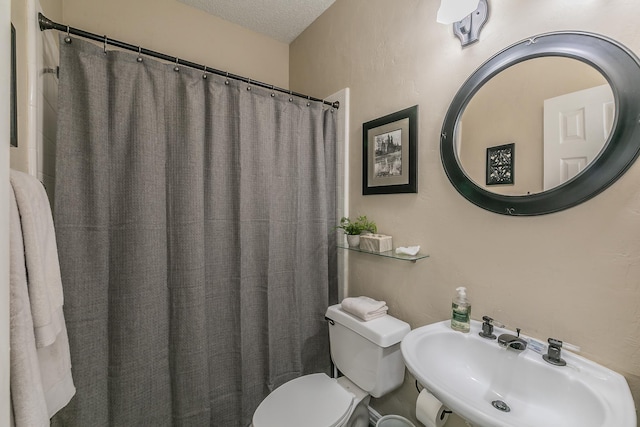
(384, 331)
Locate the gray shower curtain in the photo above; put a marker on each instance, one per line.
(194, 222)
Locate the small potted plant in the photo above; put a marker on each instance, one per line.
(353, 229)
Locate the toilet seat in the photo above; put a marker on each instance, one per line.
(312, 401)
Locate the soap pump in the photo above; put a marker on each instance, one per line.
(461, 311)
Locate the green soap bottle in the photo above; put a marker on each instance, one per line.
(461, 311)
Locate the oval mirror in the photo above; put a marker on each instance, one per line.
(545, 124)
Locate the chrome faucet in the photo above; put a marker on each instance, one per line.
(512, 341)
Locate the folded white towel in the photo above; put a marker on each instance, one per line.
(364, 307)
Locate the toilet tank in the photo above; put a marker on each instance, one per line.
(368, 353)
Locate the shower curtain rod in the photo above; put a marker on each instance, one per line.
(47, 24)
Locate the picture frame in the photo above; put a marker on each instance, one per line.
(14, 93)
(500, 164)
(390, 153)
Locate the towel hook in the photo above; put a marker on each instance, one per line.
(204, 76)
(105, 44)
(176, 68)
(68, 38)
(139, 58)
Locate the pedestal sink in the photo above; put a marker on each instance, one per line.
(491, 386)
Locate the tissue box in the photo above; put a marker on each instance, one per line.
(375, 243)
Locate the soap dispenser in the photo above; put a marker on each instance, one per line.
(461, 311)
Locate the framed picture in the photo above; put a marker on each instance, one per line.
(500, 162)
(390, 153)
(14, 95)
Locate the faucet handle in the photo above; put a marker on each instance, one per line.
(554, 351)
(487, 327)
(554, 342)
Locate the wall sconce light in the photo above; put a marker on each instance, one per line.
(467, 16)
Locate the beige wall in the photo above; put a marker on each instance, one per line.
(52, 9)
(573, 275)
(176, 29)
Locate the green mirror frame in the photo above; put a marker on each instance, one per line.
(619, 66)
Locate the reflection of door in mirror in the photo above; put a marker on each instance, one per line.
(509, 109)
(576, 126)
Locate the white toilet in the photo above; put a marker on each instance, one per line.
(367, 353)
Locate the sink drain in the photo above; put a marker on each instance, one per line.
(501, 406)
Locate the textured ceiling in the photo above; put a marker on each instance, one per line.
(282, 20)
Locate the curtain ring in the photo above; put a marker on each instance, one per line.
(68, 38)
(139, 58)
(176, 68)
(105, 45)
(249, 83)
(308, 101)
(272, 92)
(290, 97)
(227, 79)
(204, 76)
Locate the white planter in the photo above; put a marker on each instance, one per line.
(353, 240)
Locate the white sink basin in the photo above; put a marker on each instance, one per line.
(467, 373)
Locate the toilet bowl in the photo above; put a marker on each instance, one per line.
(367, 353)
